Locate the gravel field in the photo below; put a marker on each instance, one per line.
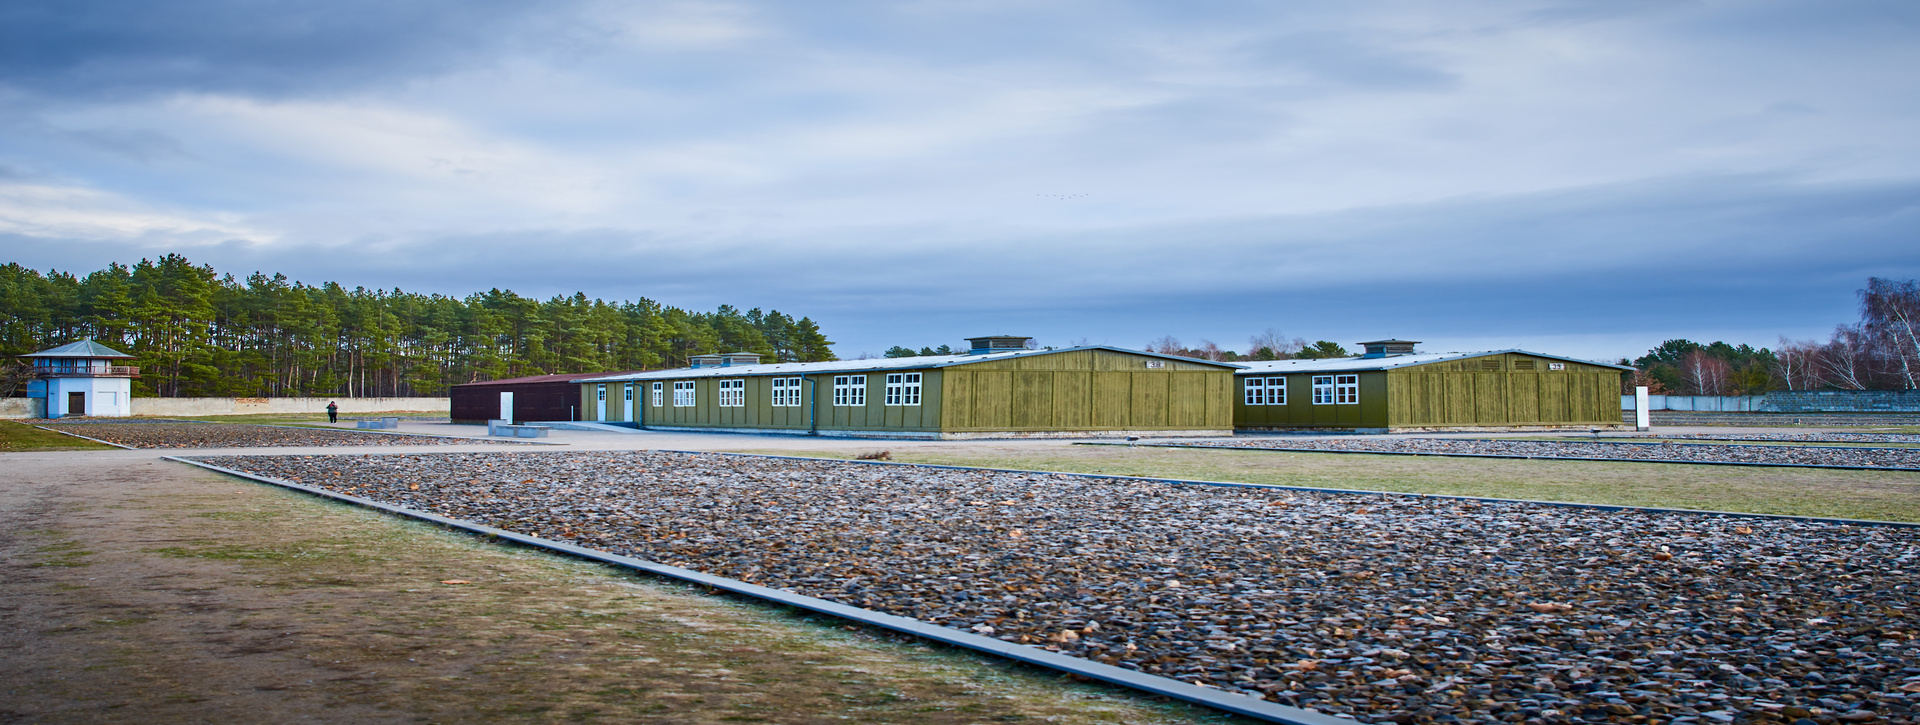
(1889, 458)
(177, 434)
(1385, 608)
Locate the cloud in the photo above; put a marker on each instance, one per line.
(118, 47)
(53, 214)
(1110, 170)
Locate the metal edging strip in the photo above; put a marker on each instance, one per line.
(1209, 697)
(1357, 491)
(1508, 456)
(489, 439)
(1703, 442)
(81, 437)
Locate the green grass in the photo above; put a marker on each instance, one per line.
(287, 418)
(20, 438)
(1879, 495)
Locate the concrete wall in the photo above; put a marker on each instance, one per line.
(1789, 401)
(1842, 401)
(1711, 403)
(249, 406)
(21, 408)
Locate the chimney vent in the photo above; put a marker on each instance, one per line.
(1388, 348)
(997, 343)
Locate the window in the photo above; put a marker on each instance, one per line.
(733, 393)
(1346, 389)
(903, 388)
(656, 394)
(1323, 390)
(786, 392)
(627, 394)
(682, 393)
(849, 390)
(1266, 391)
(600, 392)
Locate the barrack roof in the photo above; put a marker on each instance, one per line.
(554, 378)
(1358, 364)
(83, 348)
(857, 366)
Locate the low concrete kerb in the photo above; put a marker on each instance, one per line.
(84, 438)
(1153, 684)
(1509, 456)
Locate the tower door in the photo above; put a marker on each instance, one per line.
(76, 403)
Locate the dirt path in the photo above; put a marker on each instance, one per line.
(133, 589)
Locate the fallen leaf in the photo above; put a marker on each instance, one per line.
(1662, 556)
(1742, 530)
(1549, 607)
(455, 581)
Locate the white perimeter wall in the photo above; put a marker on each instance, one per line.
(30, 407)
(20, 408)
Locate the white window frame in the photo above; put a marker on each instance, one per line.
(785, 392)
(733, 393)
(600, 392)
(903, 389)
(1323, 390)
(849, 390)
(1266, 391)
(658, 395)
(685, 394)
(1346, 389)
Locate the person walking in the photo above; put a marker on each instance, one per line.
(333, 412)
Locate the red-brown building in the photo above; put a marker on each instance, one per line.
(531, 398)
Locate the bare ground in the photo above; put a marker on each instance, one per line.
(133, 589)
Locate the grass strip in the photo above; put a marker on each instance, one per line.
(23, 438)
(1829, 493)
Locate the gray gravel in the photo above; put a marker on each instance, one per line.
(178, 434)
(1385, 608)
(1889, 458)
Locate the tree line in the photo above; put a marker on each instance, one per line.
(1269, 345)
(195, 332)
(1879, 352)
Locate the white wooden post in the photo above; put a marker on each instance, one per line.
(1643, 419)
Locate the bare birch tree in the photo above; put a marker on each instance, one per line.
(1845, 362)
(1797, 364)
(1704, 373)
(1890, 312)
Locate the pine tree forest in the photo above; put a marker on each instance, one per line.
(198, 333)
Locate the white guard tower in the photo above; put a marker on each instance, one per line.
(80, 379)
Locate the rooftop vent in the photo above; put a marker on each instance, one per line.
(1388, 348)
(996, 343)
(722, 360)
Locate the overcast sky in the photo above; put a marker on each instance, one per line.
(1581, 178)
